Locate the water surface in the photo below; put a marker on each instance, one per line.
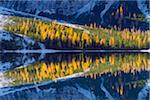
(75, 76)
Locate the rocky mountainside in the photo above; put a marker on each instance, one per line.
(85, 11)
(10, 41)
(64, 7)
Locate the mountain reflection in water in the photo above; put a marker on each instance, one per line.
(78, 76)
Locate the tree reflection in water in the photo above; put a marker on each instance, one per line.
(90, 76)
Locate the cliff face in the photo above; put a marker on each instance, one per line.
(70, 7)
(82, 11)
(64, 7)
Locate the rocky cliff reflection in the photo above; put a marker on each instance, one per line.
(80, 76)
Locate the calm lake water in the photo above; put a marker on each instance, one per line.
(75, 76)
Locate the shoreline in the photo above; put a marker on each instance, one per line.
(75, 51)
